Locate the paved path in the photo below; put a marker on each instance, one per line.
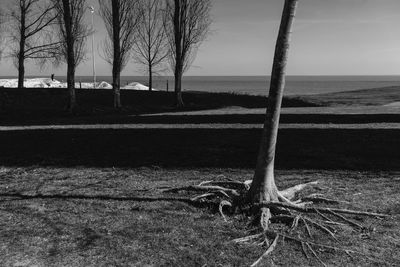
(198, 126)
(171, 120)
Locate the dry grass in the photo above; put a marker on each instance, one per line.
(101, 232)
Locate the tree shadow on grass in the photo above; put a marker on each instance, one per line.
(177, 119)
(369, 149)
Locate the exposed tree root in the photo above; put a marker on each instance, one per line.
(229, 197)
(311, 244)
(321, 210)
(234, 184)
(317, 198)
(267, 252)
(290, 192)
(221, 206)
(299, 215)
(204, 188)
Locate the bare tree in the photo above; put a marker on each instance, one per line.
(30, 24)
(72, 33)
(151, 45)
(121, 18)
(187, 23)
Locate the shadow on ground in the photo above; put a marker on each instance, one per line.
(212, 118)
(237, 148)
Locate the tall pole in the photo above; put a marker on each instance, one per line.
(94, 60)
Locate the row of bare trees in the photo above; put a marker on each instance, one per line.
(153, 33)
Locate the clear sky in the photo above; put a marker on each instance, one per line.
(331, 37)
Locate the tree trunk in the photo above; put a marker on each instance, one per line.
(117, 61)
(71, 85)
(178, 89)
(21, 69)
(21, 53)
(117, 90)
(150, 78)
(263, 187)
(70, 57)
(178, 57)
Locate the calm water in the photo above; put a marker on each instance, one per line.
(295, 85)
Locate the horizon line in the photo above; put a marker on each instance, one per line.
(231, 75)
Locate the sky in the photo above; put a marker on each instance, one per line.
(330, 37)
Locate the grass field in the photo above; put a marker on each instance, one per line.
(108, 229)
(70, 185)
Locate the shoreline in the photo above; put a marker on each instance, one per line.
(254, 85)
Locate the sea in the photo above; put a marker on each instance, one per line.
(258, 85)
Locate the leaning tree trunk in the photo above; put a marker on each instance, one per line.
(263, 188)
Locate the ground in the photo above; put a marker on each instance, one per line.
(103, 232)
(70, 185)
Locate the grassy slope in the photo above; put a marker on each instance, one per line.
(46, 106)
(35, 103)
(364, 97)
(101, 232)
(72, 232)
